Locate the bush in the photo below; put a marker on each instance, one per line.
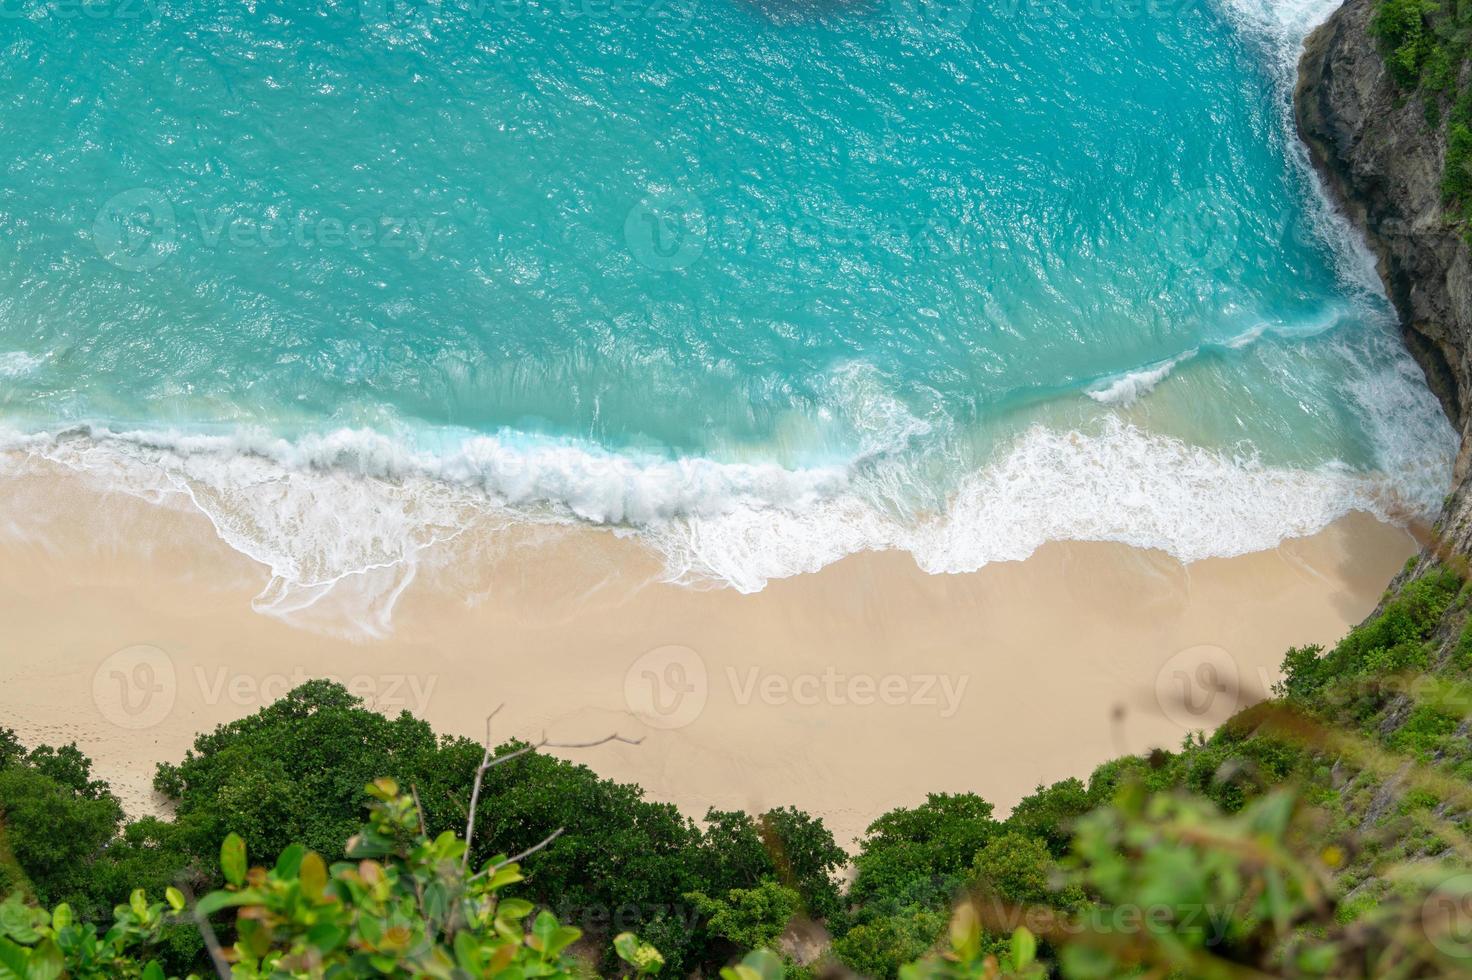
(57, 823)
(404, 906)
(1048, 814)
(749, 918)
(922, 853)
(1402, 29)
(1391, 642)
(879, 948)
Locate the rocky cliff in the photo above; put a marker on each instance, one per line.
(1383, 161)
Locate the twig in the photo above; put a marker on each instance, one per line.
(475, 791)
(419, 808)
(513, 859)
(211, 941)
(487, 763)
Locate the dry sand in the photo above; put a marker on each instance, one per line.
(846, 692)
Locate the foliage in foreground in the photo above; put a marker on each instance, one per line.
(1177, 888)
(403, 905)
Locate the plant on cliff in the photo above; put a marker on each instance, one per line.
(1426, 46)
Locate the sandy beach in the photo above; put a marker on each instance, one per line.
(847, 692)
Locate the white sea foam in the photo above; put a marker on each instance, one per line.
(356, 511)
(16, 364)
(1130, 387)
(1279, 28)
(342, 520)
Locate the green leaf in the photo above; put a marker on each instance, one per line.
(326, 936)
(437, 902)
(232, 859)
(760, 964)
(175, 898)
(61, 917)
(467, 953)
(153, 971)
(643, 957)
(313, 875)
(46, 962)
(215, 901)
(290, 861)
(509, 875)
(966, 932)
(14, 960)
(368, 844)
(542, 929)
(17, 921)
(1024, 948)
(513, 909)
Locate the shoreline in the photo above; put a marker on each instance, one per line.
(845, 692)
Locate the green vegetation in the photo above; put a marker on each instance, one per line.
(402, 905)
(1426, 45)
(293, 773)
(1322, 833)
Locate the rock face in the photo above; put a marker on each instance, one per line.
(1383, 162)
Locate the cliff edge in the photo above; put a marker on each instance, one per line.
(1383, 162)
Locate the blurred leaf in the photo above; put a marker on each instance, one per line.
(232, 859)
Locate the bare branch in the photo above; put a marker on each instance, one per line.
(419, 808)
(480, 773)
(211, 942)
(615, 737)
(513, 859)
(487, 763)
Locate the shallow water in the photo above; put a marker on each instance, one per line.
(763, 282)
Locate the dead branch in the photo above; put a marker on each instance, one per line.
(487, 762)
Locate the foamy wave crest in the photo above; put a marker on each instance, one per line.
(355, 510)
(354, 513)
(1128, 388)
(16, 364)
(1118, 484)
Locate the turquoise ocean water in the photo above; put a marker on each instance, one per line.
(762, 282)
